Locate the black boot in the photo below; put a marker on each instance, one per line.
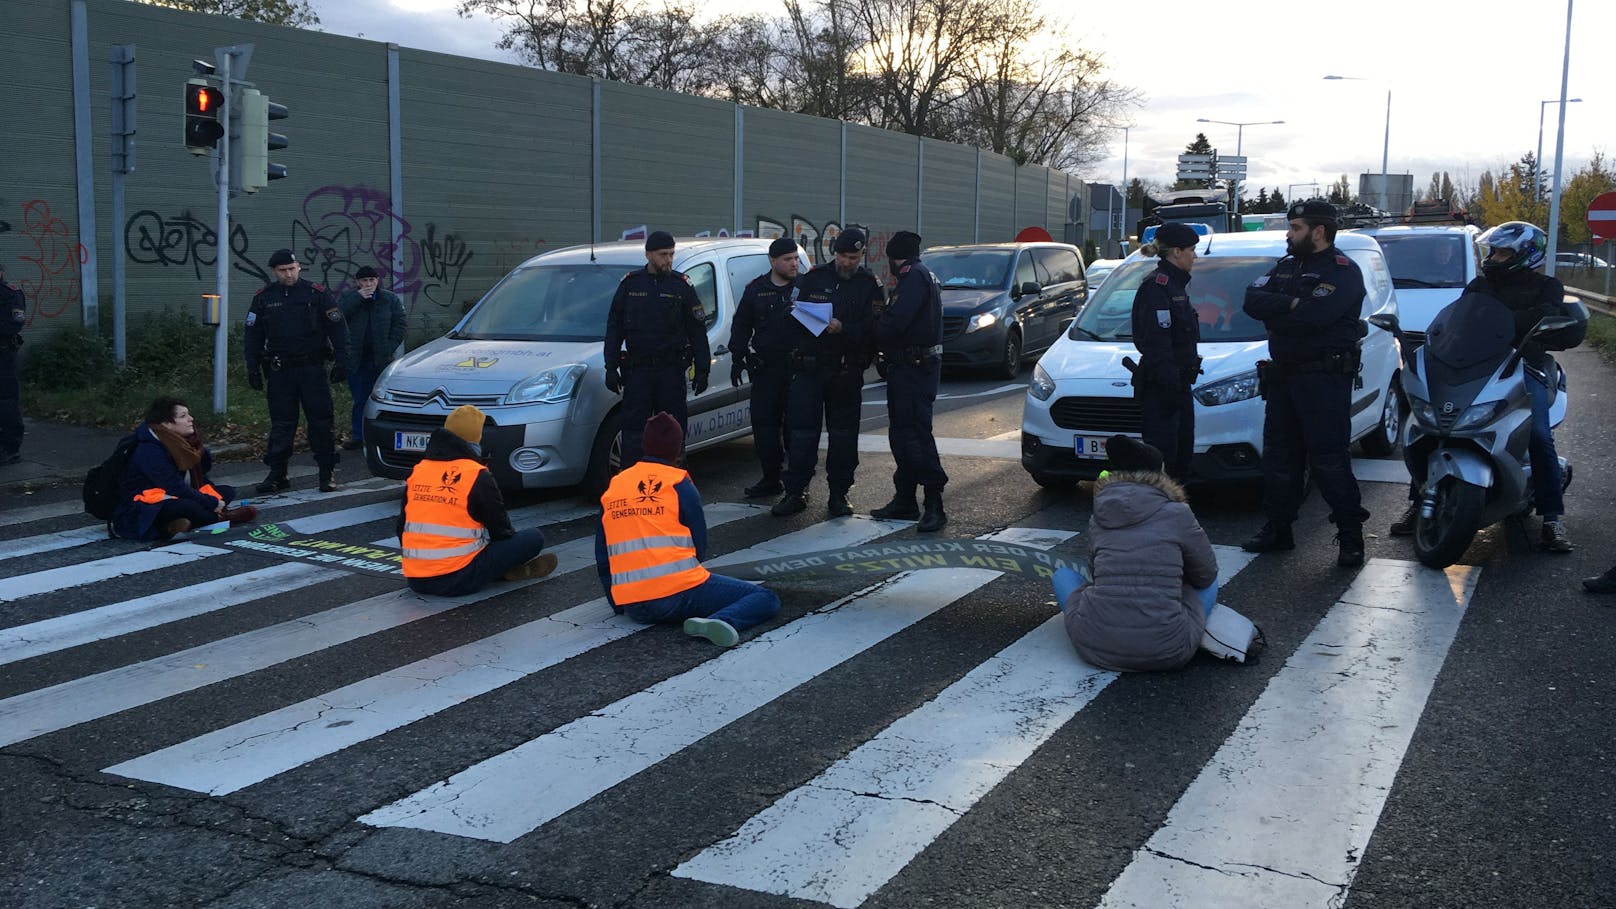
(1350, 536)
(933, 519)
(328, 482)
(768, 486)
(839, 506)
(1404, 526)
(275, 482)
(1605, 583)
(901, 508)
(791, 503)
(1272, 538)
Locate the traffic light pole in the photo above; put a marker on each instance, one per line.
(221, 332)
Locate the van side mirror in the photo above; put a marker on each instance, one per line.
(1385, 321)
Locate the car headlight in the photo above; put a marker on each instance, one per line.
(1423, 413)
(981, 320)
(548, 387)
(1042, 386)
(1479, 415)
(380, 392)
(1242, 387)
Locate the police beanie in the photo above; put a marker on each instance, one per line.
(365, 271)
(659, 239)
(1127, 453)
(904, 245)
(1176, 236)
(467, 423)
(281, 257)
(663, 439)
(1313, 210)
(784, 246)
(850, 240)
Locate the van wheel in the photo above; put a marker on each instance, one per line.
(1382, 440)
(1010, 360)
(605, 456)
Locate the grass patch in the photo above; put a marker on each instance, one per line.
(1602, 333)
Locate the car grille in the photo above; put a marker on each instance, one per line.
(1098, 414)
(419, 398)
(953, 326)
(425, 420)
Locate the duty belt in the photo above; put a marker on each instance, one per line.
(1339, 362)
(287, 361)
(658, 359)
(834, 361)
(913, 356)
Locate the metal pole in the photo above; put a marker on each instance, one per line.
(594, 158)
(1537, 163)
(221, 272)
(740, 167)
(1611, 266)
(976, 214)
(84, 164)
(841, 205)
(1125, 181)
(1237, 221)
(1385, 155)
(1553, 226)
(395, 161)
(123, 144)
(920, 178)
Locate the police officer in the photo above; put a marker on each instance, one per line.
(657, 315)
(293, 327)
(827, 375)
(909, 333)
(1311, 302)
(13, 315)
(760, 344)
(1167, 332)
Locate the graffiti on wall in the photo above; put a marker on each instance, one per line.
(185, 241)
(47, 268)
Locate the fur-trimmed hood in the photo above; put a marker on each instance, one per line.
(1127, 497)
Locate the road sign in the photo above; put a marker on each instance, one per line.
(1194, 159)
(1602, 216)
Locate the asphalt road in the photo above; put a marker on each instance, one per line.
(185, 726)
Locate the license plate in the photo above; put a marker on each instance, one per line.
(1089, 446)
(410, 441)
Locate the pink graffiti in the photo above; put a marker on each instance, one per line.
(345, 227)
(50, 276)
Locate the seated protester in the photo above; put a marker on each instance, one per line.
(165, 488)
(1604, 583)
(650, 543)
(1153, 575)
(456, 534)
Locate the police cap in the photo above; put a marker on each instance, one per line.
(659, 239)
(783, 246)
(850, 240)
(1176, 236)
(904, 245)
(1314, 211)
(281, 257)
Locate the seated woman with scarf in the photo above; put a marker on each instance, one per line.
(165, 488)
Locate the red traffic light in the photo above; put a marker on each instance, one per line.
(202, 100)
(202, 126)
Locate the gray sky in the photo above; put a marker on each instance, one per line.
(1466, 76)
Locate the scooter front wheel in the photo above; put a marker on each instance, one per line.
(1442, 539)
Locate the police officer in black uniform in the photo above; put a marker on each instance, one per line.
(827, 375)
(1312, 303)
(657, 315)
(909, 334)
(13, 315)
(1167, 332)
(293, 327)
(760, 344)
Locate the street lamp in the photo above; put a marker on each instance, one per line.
(1386, 148)
(1537, 163)
(1239, 142)
(1109, 219)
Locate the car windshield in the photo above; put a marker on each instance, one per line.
(970, 268)
(546, 303)
(1428, 260)
(1217, 291)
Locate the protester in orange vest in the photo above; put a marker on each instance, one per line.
(651, 542)
(457, 536)
(165, 488)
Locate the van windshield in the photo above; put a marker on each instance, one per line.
(1217, 291)
(969, 268)
(546, 303)
(1425, 260)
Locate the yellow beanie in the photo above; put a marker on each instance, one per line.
(467, 423)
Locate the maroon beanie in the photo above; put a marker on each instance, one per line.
(663, 438)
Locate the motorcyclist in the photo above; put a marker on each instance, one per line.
(1512, 254)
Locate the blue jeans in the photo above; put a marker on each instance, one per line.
(498, 557)
(742, 604)
(1546, 492)
(360, 382)
(1067, 581)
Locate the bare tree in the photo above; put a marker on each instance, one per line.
(295, 13)
(917, 52)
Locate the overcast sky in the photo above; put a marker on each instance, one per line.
(1466, 77)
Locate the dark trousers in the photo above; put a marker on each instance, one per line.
(770, 388)
(498, 557)
(174, 509)
(833, 400)
(647, 390)
(1169, 425)
(911, 392)
(288, 389)
(1547, 488)
(1307, 422)
(10, 403)
(741, 604)
(360, 383)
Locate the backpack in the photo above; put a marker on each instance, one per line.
(102, 482)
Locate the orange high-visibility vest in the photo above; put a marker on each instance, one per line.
(649, 551)
(439, 534)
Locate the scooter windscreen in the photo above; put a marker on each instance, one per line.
(1468, 339)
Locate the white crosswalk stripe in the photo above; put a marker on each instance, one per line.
(239, 479)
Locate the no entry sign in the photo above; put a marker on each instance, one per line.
(1602, 216)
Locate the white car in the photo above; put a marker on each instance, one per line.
(1430, 266)
(1099, 269)
(1080, 392)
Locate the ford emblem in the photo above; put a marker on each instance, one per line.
(1119, 384)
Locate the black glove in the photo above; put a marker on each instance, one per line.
(255, 380)
(339, 374)
(736, 370)
(882, 368)
(699, 383)
(614, 380)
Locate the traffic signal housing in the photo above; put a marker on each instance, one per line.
(203, 128)
(257, 141)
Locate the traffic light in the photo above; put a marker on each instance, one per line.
(257, 141)
(203, 128)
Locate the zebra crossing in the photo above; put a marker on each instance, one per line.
(1280, 815)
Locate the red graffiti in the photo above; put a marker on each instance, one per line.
(50, 276)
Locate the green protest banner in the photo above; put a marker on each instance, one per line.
(885, 558)
(281, 542)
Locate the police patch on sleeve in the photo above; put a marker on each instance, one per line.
(1164, 318)
(1260, 282)
(1324, 290)
(252, 319)
(334, 315)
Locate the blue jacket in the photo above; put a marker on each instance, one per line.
(690, 514)
(152, 467)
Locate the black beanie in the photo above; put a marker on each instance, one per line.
(784, 246)
(1128, 453)
(659, 239)
(281, 257)
(904, 245)
(1176, 236)
(851, 240)
(663, 438)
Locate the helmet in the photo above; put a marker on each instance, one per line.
(1527, 244)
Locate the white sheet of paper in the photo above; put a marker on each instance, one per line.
(813, 316)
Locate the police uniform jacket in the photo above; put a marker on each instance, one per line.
(13, 313)
(852, 303)
(657, 317)
(1530, 296)
(763, 322)
(1166, 330)
(914, 318)
(1311, 304)
(298, 324)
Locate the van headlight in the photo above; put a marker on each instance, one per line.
(1242, 387)
(1041, 386)
(380, 393)
(980, 320)
(548, 387)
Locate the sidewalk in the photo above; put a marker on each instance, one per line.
(56, 454)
